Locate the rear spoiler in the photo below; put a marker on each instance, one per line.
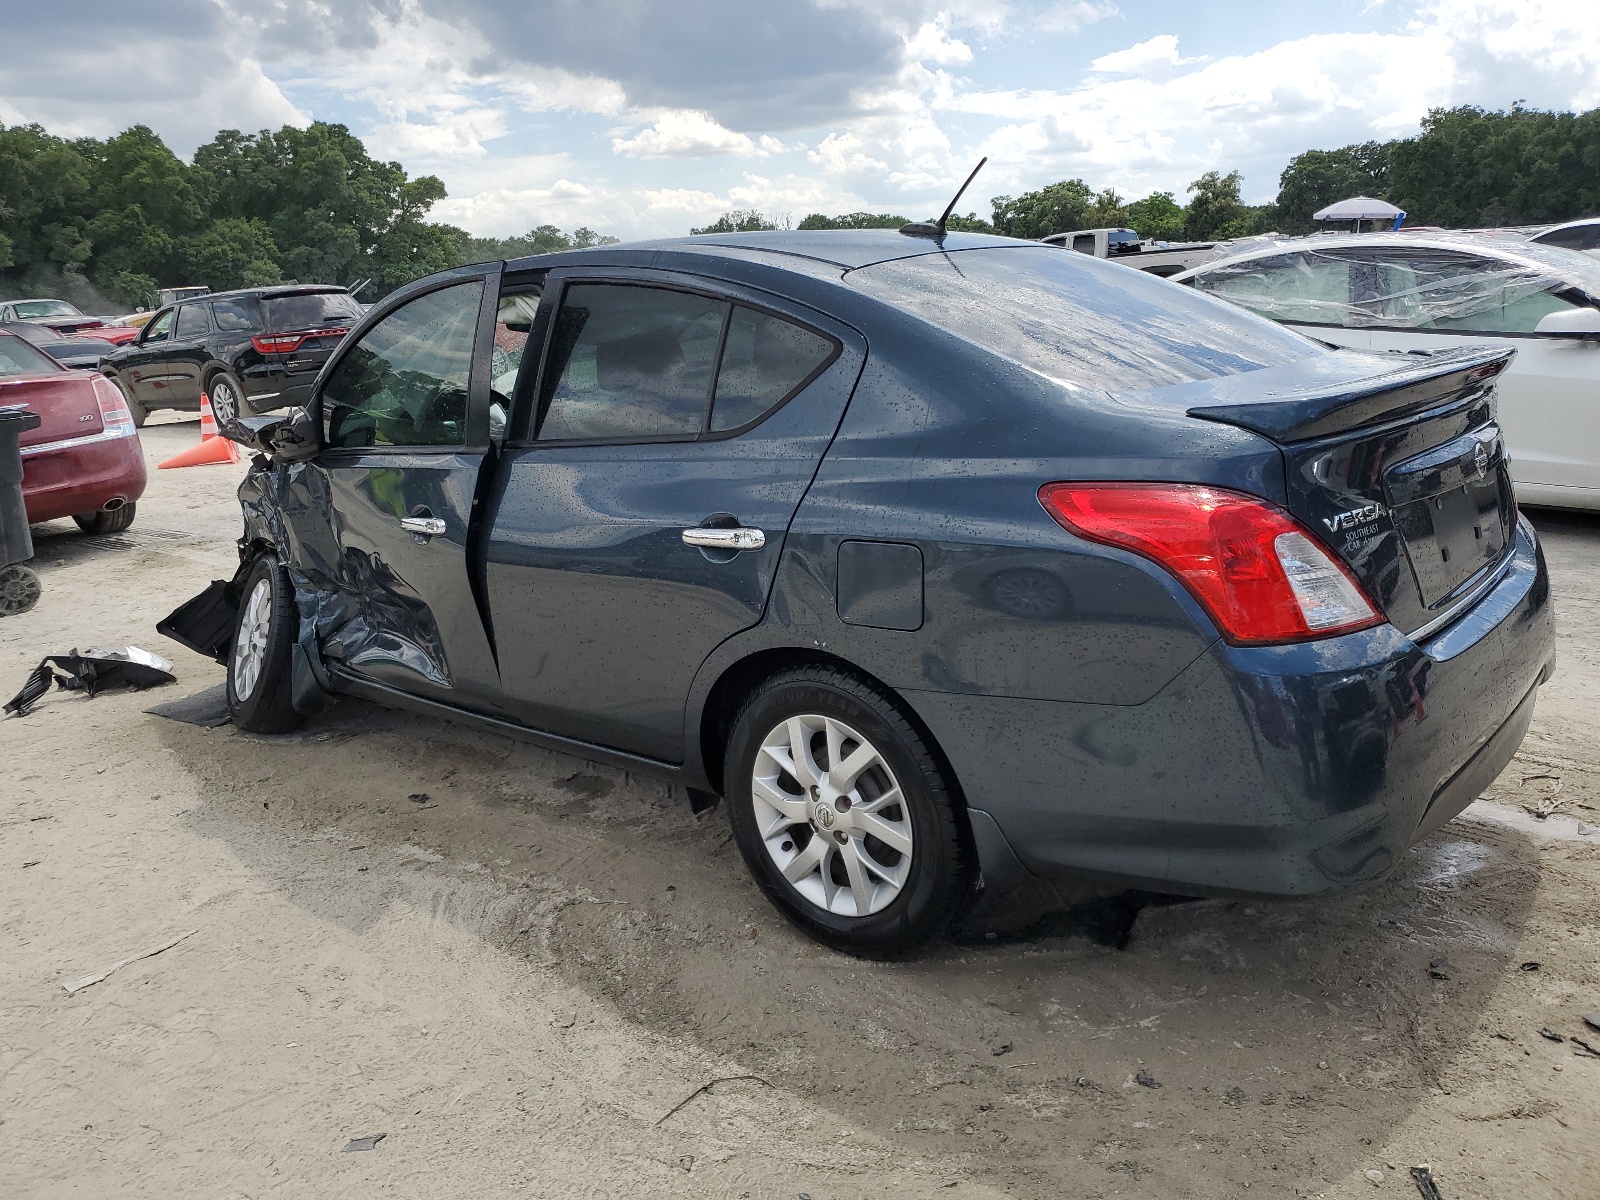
(1322, 408)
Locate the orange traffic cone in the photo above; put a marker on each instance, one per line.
(210, 450)
(208, 418)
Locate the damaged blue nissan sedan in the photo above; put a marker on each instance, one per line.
(950, 563)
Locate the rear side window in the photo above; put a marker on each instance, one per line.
(630, 362)
(192, 322)
(765, 361)
(17, 357)
(301, 311)
(1304, 289)
(236, 316)
(1079, 320)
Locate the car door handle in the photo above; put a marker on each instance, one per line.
(424, 526)
(711, 538)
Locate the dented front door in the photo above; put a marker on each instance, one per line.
(384, 546)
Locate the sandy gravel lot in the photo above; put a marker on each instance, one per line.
(540, 977)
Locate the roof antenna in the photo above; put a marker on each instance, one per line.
(935, 229)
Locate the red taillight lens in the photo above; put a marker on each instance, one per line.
(1263, 578)
(288, 343)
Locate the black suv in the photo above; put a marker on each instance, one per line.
(251, 351)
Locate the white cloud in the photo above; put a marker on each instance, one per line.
(1069, 16)
(683, 133)
(1153, 59)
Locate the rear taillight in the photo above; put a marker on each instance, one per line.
(115, 418)
(1260, 574)
(288, 343)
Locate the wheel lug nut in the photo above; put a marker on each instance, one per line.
(838, 836)
(816, 792)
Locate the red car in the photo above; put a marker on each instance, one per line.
(84, 461)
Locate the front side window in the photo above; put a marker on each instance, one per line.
(191, 323)
(1578, 237)
(159, 329)
(630, 362)
(765, 361)
(1440, 290)
(405, 382)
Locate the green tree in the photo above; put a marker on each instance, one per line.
(1157, 216)
(231, 253)
(1053, 209)
(855, 220)
(1216, 210)
(737, 221)
(971, 223)
(1317, 178)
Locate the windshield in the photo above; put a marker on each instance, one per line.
(310, 310)
(1079, 320)
(17, 357)
(29, 309)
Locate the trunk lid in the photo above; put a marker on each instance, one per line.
(1399, 467)
(65, 403)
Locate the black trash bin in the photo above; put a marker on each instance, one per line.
(19, 587)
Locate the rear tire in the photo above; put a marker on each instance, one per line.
(101, 521)
(873, 860)
(227, 398)
(260, 693)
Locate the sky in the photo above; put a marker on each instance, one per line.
(642, 118)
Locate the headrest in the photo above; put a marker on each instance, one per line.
(626, 362)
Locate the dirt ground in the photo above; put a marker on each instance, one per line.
(541, 977)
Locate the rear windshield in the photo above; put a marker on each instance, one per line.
(17, 357)
(1081, 321)
(310, 310)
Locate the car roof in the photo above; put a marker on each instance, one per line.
(846, 249)
(277, 289)
(1572, 265)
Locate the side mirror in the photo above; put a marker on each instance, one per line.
(290, 435)
(1571, 322)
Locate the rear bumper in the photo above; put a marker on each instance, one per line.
(1265, 770)
(82, 478)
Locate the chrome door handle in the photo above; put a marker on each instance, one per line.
(711, 538)
(425, 526)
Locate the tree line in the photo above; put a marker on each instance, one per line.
(1467, 167)
(126, 215)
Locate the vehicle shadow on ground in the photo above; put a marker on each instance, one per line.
(1230, 1042)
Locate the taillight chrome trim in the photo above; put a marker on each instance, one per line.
(88, 439)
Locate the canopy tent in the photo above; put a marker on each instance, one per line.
(1361, 208)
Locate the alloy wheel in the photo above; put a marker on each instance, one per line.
(224, 401)
(250, 645)
(831, 815)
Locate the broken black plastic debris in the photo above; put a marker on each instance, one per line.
(1423, 1174)
(91, 671)
(1003, 1048)
(1530, 966)
(1440, 968)
(1145, 1079)
(364, 1143)
(1551, 1035)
